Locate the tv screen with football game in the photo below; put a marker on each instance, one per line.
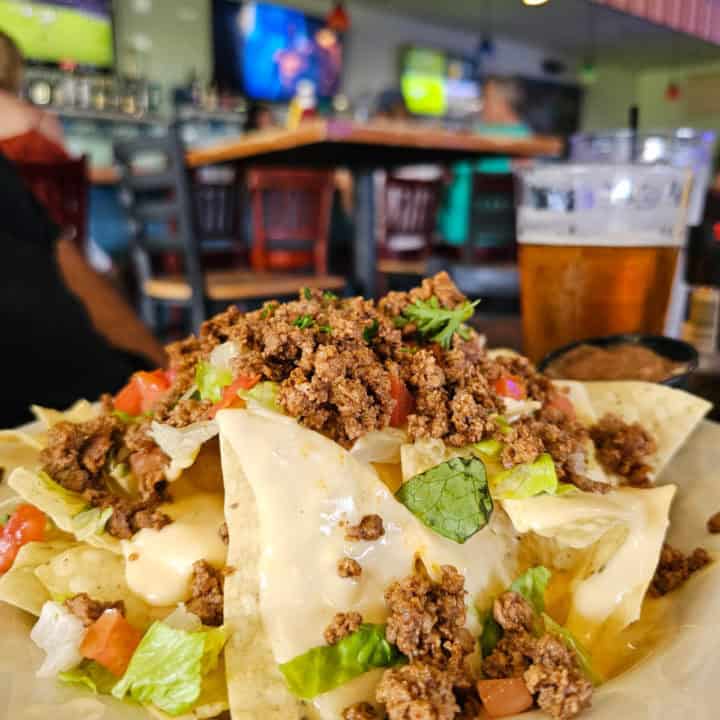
(264, 50)
(51, 32)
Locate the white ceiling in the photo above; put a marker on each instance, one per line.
(564, 26)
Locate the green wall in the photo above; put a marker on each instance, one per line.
(608, 100)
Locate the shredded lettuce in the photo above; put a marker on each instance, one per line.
(40, 490)
(182, 445)
(91, 675)
(380, 446)
(581, 652)
(452, 498)
(532, 585)
(264, 394)
(211, 381)
(59, 633)
(327, 667)
(90, 522)
(517, 409)
(168, 667)
(490, 448)
(526, 480)
(62, 506)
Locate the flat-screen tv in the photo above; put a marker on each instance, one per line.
(51, 32)
(435, 82)
(265, 50)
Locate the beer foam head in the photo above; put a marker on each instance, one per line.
(604, 205)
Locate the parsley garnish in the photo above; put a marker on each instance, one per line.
(304, 321)
(268, 310)
(307, 293)
(326, 329)
(327, 295)
(371, 331)
(436, 323)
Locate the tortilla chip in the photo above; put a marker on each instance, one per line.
(669, 415)
(20, 586)
(19, 448)
(305, 487)
(255, 686)
(79, 411)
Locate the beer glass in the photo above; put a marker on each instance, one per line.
(597, 248)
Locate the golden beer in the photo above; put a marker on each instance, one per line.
(598, 248)
(574, 292)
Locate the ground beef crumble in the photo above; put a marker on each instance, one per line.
(623, 449)
(206, 593)
(349, 568)
(369, 528)
(89, 610)
(427, 624)
(554, 678)
(342, 625)
(674, 568)
(360, 711)
(713, 524)
(548, 667)
(77, 453)
(417, 692)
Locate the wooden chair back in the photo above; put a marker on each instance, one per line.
(290, 218)
(492, 235)
(62, 187)
(410, 215)
(155, 189)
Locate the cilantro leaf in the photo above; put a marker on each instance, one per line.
(304, 321)
(452, 498)
(268, 310)
(307, 293)
(371, 331)
(436, 323)
(327, 295)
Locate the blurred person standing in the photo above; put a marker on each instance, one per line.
(502, 114)
(27, 133)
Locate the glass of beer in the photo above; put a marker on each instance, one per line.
(598, 249)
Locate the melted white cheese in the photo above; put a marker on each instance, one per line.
(306, 487)
(159, 563)
(615, 593)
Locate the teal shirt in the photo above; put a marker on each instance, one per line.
(454, 215)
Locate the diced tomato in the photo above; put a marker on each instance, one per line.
(128, 400)
(510, 386)
(230, 394)
(111, 641)
(152, 386)
(560, 401)
(143, 391)
(171, 375)
(404, 402)
(27, 524)
(508, 696)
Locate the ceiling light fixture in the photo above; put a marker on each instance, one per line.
(534, 3)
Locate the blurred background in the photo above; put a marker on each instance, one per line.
(196, 153)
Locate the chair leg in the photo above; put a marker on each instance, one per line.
(148, 312)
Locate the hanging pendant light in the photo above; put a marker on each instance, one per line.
(338, 19)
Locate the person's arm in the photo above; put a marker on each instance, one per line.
(110, 313)
(50, 126)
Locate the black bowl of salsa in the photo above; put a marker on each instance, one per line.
(653, 358)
